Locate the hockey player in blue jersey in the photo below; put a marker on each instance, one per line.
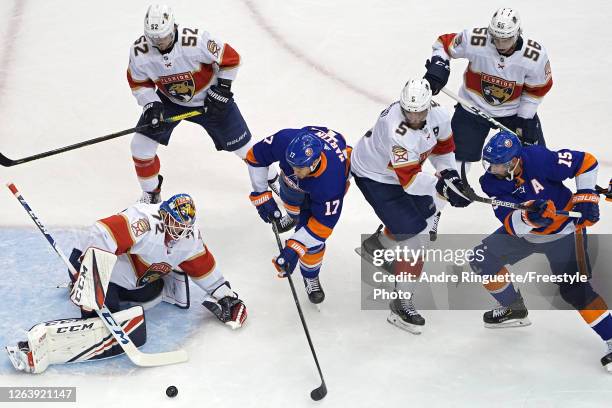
(533, 176)
(314, 164)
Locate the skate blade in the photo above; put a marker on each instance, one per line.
(508, 324)
(608, 368)
(398, 322)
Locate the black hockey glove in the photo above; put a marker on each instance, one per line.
(438, 70)
(218, 98)
(153, 115)
(455, 198)
(527, 130)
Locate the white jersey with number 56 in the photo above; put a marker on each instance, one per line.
(499, 85)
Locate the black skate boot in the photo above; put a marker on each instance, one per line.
(606, 360)
(314, 290)
(152, 197)
(371, 244)
(514, 315)
(405, 316)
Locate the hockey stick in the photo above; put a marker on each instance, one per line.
(321, 391)
(6, 162)
(471, 194)
(138, 357)
(468, 106)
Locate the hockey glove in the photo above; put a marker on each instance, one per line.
(266, 206)
(153, 115)
(541, 213)
(448, 182)
(286, 262)
(226, 306)
(438, 71)
(218, 98)
(586, 201)
(528, 131)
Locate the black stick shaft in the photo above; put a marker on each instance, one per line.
(323, 387)
(6, 162)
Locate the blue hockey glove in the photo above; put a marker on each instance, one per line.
(266, 206)
(286, 262)
(586, 201)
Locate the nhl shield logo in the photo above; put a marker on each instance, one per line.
(180, 87)
(496, 90)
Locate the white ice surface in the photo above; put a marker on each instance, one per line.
(337, 64)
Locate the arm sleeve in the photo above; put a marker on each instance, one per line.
(263, 154)
(451, 45)
(538, 82)
(220, 54)
(113, 234)
(442, 156)
(143, 87)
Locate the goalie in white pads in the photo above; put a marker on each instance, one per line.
(133, 261)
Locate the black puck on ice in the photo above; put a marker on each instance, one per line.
(171, 391)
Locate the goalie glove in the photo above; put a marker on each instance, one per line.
(226, 306)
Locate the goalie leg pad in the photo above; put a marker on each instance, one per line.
(74, 340)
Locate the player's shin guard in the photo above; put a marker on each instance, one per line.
(597, 316)
(74, 340)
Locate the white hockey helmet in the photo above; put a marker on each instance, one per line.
(159, 25)
(505, 23)
(416, 95)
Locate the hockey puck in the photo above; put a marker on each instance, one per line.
(171, 391)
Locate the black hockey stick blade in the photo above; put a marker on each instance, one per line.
(319, 393)
(5, 161)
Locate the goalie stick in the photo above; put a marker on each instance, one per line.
(6, 162)
(321, 391)
(136, 356)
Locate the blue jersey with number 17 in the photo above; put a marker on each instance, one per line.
(541, 177)
(325, 187)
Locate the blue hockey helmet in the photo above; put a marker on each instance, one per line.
(500, 150)
(179, 214)
(304, 150)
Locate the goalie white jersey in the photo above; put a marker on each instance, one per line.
(499, 85)
(185, 73)
(138, 238)
(393, 153)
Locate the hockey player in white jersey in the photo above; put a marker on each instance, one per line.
(507, 76)
(174, 70)
(155, 250)
(387, 167)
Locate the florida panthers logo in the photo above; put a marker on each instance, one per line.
(155, 271)
(496, 90)
(180, 87)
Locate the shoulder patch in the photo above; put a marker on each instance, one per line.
(400, 154)
(213, 47)
(140, 226)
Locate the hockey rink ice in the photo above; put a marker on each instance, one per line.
(307, 62)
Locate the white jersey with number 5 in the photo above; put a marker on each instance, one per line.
(499, 85)
(393, 153)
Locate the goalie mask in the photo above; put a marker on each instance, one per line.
(178, 213)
